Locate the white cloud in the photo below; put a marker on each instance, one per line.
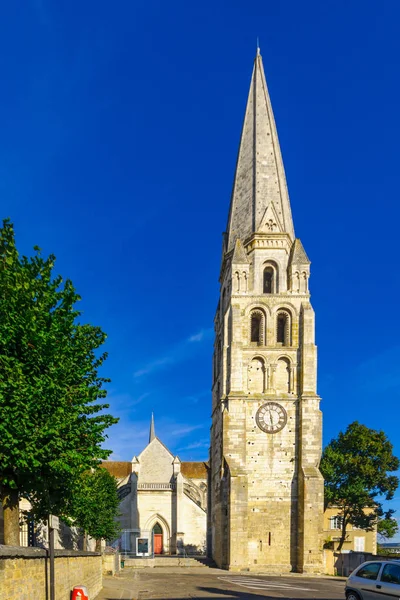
(153, 366)
(201, 335)
(200, 444)
(195, 398)
(127, 439)
(185, 430)
(176, 354)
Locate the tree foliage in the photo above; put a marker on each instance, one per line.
(387, 525)
(357, 468)
(51, 425)
(94, 506)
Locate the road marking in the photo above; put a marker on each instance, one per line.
(259, 584)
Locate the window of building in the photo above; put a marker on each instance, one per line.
(283, 328)
(257, 327)
(391, 574)
(336, 522)
(268, 280)
(369, 571)
(282, 376)
(359, 543)
(256, 376)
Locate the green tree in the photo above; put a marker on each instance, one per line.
(51, 427)
(356, 467)
(94, 506)
(387, 525)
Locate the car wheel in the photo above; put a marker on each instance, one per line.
(352, 596)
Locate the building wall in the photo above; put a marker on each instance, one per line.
(155, 464)
(157, 506)
(157, 492)
(331, 536)
(23, 573)
(270, 511)
(194, 525)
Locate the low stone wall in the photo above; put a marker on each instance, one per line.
(343, 564)
(24, 573)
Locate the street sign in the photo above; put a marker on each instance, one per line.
(142, 546)
(54, 522)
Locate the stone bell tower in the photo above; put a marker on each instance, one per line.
(266, 489)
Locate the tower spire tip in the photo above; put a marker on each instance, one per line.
(152, 429)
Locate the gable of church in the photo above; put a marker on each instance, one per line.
(155, 463)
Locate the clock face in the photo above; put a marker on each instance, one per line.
(271, 417)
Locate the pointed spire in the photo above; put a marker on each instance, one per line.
(298, 255)
(260, 180)
(239, 254)
(152, 429)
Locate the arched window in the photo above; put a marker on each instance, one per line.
(283, 328)
(244, 279)
(304, 283)
(256, 376)
(270, 279)
(237, 281)
(282, 378)
(257, 327)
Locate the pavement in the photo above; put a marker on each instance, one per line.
(205, 584)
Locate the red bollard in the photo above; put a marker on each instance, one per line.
(80, 593)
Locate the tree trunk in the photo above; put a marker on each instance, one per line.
(11, 517)
(342, 536)
(98, 545)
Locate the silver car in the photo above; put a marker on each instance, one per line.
(374, 580)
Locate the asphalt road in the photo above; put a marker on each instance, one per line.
(206, 584)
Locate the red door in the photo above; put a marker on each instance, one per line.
(158, 543)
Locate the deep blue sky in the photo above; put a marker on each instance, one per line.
(120, 125)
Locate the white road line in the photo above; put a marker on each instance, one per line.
(260, 584)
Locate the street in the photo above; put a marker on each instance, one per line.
(201, 583)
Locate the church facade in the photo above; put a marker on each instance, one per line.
(266, 491)
(163, 500)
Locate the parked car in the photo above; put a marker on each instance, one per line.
(374, 580)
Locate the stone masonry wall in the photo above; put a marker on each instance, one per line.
(194, 525)
(24, 573)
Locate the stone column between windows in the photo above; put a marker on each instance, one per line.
(273, 367)
(292, 379)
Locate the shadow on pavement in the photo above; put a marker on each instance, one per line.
(225, 595)
(235, 595)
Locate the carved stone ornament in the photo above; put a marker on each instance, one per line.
(271, 417)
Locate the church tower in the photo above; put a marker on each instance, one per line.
(266, 489)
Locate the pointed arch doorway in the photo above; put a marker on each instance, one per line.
(158, 538)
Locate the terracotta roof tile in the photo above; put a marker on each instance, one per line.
(194, 470)
(119, 469)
